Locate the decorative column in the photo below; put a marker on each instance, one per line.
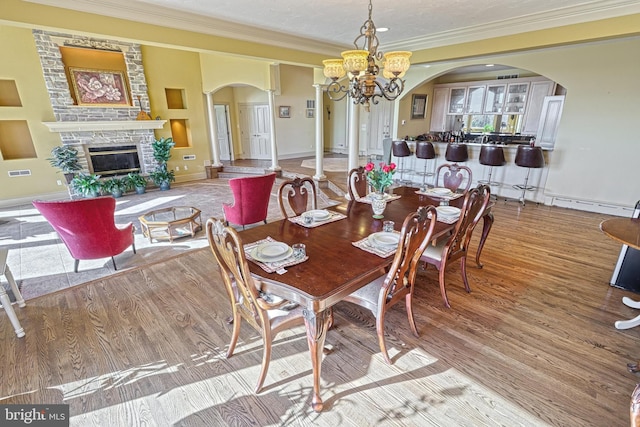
(274, 150)
(319, 177)
(354, 133)
(213, 132)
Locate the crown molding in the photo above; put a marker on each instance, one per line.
(541, 21)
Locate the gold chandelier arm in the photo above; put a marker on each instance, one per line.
(336, 91)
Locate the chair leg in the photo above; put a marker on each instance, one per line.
(133, 246)
(236, 320)
(442, 289)
(487, 223)
(113, 260)
(380, 332)
(75, 265)
(463, 270)
(266, 358)
(409, 306)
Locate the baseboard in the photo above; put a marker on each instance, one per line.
(19, 201)
(590, 206)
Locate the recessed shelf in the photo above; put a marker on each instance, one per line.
(104, 125)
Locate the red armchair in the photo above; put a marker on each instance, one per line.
(250, 199)
(87, 227)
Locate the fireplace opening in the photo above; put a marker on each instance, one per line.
(120, 160)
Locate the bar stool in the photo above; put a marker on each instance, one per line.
(491, 155)
(425, 150)
(400, 149)
(457, 153)
(528, 157)
(4, 298)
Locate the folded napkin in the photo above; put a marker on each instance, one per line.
(333, 216)
(433, 195)
(271, 267)
(382, 252)
(446, 219)
(387, 197)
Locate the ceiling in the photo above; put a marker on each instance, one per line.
(331, 25)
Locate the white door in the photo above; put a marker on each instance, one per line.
(379, 126)
(255, 130)
(549, 121)
(224, 136)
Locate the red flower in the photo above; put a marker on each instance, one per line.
(392, 166)
(369, 167)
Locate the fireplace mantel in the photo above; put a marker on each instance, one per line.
(113, 125)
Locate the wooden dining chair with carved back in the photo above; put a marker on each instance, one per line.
(266, 313)
(297, 194)
(398, 283)
(453, 175)
(357, 183)
(456, 246)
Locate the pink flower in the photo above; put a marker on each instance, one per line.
(392, 166)
(369, 167)
(386, 168)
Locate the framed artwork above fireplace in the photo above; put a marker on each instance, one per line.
(99, 88)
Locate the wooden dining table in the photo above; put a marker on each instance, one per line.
(335, 267)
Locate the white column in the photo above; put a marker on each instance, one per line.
(354, 133)
(213, 131)
(319, 176)
(272, 117)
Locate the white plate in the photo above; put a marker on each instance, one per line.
(319, 214)
(384, 239)
(441, 191)
(271, 252)
(448, 210)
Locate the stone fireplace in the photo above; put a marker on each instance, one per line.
(94, 129)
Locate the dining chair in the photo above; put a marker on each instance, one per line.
(266, 313)
(295, 193)
(453, 175)
(457, 245)
(398, 283)
(357, 183)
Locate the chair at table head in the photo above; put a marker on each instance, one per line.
(87, 227)
(457, 245)
(398, 284)
(357, 183)
(250, 199)
(296, 194)
(452, 176)
(247, 302)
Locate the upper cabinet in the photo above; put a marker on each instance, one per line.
(439, 109)
(494, 101)
(475, 100)
(516, 98)
(538, 91)
(457, 97)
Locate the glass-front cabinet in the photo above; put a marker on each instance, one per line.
(494, 101)
(475, 99)
(516, 98)
(456, 100)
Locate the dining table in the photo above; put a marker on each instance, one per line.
(335, 267)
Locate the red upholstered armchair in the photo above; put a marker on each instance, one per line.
(87, 227)
(250, 199)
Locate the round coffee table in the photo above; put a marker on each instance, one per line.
(171, 223)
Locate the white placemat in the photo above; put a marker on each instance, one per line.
(365, 245)
(433, 195)
(271, 267)
(387, 197)
(334, 216)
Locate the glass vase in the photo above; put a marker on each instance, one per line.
(378, 204)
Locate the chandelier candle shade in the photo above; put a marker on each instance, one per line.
(363, 70)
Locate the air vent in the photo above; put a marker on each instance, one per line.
(508, 76)
(189, 157)
(311, 103)
(24, 172)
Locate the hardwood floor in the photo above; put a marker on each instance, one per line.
(533, 344)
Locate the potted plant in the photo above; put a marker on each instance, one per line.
(65, 157)
(163, 178)
(89, 185)
(116, 186)
(138, 182)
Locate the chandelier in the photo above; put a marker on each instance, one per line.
(361, 66)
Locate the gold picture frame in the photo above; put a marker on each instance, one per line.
(418, 106)
(285, 112)
(99, 88)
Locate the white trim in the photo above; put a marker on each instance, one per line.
(104, 125)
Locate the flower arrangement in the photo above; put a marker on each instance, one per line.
(380, 178)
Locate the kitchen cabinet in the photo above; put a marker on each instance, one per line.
(475, 100)
(457, 97)
(494, 101)
(549, 121)
(439, 109)
(516, 98)
(538, 91)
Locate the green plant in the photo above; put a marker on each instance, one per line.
(162, 150)
(136, 180)
(65, 158)
(88, 185)
(115, 185)
(162, 176)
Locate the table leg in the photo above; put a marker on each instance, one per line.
(317, 325)
(487, 223)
